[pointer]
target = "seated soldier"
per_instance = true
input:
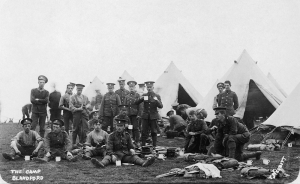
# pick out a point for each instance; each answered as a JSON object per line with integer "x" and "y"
{"x": 233, "y": 135}
{"x": 196, "y": 129}
{"x": 123, "y": 115}
{"x": 57, "y": 143}
{"x": 95, "y": 142}
{"x": 94, "y": 119}
{"x": 120, "y": 147}
{"x": 24, "y": 143}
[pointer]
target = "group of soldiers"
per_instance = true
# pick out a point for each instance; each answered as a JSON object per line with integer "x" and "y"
{"x": 123, "y": 113}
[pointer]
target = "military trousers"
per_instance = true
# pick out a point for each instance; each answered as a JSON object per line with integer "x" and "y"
{"x": 198, "y": 145}
{"x": 39, "y": 119}
{"x": 236, "y": 144}
{"x": 80, "y": 127}
{"x": 68, "y": 116}
{"x": 136, "y": 128}
{"x": 27, "y": 151}
{"x": 149, "y": 124}
{"x": 55, "y": 114}
{"x": 133, "y": 159}
{"x": 108, "y": 121}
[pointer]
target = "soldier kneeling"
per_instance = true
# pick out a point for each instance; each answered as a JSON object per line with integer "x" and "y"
{"x": 24, "y": 143}
{"x": 96, "y": 141}
{"x": 57, "y": 144}
{"x": 120, "y": 147}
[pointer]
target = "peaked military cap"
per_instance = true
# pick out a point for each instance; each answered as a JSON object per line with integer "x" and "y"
{"x": 131, "y": 83}
{"x": 58, "y": 122}
{"x": 121, "y": 80}
{"x": 80, "y": 86}
{"x": 110, "y": 84}
{"x": 42, "y": 77}
{"x": 123, "y": 106}
{"x": 26, "y": 121}
{"x": 149, "y": 83}
{"x": 120, "y": 121}
{"x": 142, "y": 85}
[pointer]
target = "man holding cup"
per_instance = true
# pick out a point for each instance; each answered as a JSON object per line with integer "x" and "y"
{"x": 120, "y": 148}
{"x": 25, "y": 142}
{"x": 57, "y": 144}
{"x": 150, "y": 114}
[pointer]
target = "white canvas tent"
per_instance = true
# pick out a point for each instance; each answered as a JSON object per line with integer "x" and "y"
{"x": 172, "y": 86}
{"x": 90, "y": 92}
{"x": 272, "y": 79}
{"x": 257, "y": 95}
{"x": 287, "y": 113}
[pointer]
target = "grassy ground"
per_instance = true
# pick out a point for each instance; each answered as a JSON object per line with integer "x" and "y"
{"x": 84, "y": 172}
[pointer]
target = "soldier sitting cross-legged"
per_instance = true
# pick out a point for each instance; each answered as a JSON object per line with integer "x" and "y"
{"x": 57, "y": 144}
{"x": 120, "y": 147}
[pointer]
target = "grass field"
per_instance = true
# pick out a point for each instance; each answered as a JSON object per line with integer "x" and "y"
{"x": 84, "y": 172}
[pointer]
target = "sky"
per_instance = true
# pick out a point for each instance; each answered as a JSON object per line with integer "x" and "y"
{"x": 74, "y": 41}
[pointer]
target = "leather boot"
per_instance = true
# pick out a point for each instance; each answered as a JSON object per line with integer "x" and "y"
{"x": 231, "y": 149}
{"x": 96, "y": 163}
{"x": 256, "y": 155}
{"x": 8, "y": 156}
{"x": 145, "y": 163}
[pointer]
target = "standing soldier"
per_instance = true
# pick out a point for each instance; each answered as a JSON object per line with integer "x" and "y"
{"x": 96, "y": 101}
{"x": 134, "y": 110}
{"x": 122, "y": 92}
{"x": 141, "y": 92}
{"x": 25, "y": 142}
{"x": 120, "y": 147}
{"x": 150, "y": 115}
{"x": 220, "y": 87}
{"x": 228, "y": 99}
{"x": 109, "y": 107}
{"x": 54, "y": 98}
{"x": 39, "y": 98}
{"x": 78, "y": 105}
{"x": 57, "y": 143}
{"x": 64, "y": 105}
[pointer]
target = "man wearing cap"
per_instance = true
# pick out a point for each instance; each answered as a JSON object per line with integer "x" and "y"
{"x": 96, "y": 101}
{"x": 120, "y": 147}
{"x": 95, "y": 118}
{"x": 228, "y": 99}
{"x": 57, "y": 144}
{"x": 123, "y": 115}
{"x": 122, "y": 92}
{"x": 64, "y": 105}
{"x": 39, "y": 98}
{"x": 134, "y": 110}
{"x": 232, "y": 135}
{"x": 78, "y": 105}
{"x": 54, "y": 98}
{"x": 220, "y": 87}
{"x": 150, "y": 114}
{"x": 95, "y": 142}
{"x": 26, "y": 142}
{"x": 26, "y": 110}
{"x": 181, "y": 109}
{"x": 109, "y": 107}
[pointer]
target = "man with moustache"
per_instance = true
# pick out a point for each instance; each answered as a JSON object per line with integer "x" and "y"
{"x": 78, "y": 105}
{"x": 39, "y": 98}
{"x": 134, "y": 111}
{"x": 26, "y": 142}
{"x": 122, "y": 92}
{"x": 109, "y": 107}
{"x": 150, "y": 115}
{"x": 64, "y": 105}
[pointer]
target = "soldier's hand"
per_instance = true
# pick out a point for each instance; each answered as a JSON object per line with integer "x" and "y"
{"x": 214, "y": 127}
{"x": 69, "y": 155}
{"x": 132, "y": 151}
{"x": 35, "y": 152}
{"x": 37, "y": 99}
{"x": 155, "y": 98}
{"x": 192, "y": 133}
{"x": 113, "y": 158}
{"x": 18, "y": 152}
{"x": 48, "y": 154}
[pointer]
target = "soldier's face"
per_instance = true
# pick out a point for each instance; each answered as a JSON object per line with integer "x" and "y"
{"x": 120, "y": 128}
{"x": 220, "y": 116}
{"x": 27, "y": 127}
{"x": 227, "y": 86}
{"x": 79, "y": 91}
{"x": 69, "y": 89}
{"x": 124, "y": 112}
{"x": 110, "y": 89}
{"x": 97, "y": 126}
{"x": 150, "y": 88}
{"x": 192, "y": 117}
{"x": 220, "y": 88}
{"x": 95, "y": 115}
{"x": 56, "y": 128}
{"x": 131, "y": 88}
{"x": 122, "y": 85}
{"x": 41, "y": 83}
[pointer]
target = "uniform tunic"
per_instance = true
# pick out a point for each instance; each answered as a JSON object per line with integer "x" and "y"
{"x": 199, "y": 144}
{"x": 229, "y": 100}
{"x": 57, "y": 144}
{"x": 54, "y": 98}
{"x": 122, "y": 94}
{"x": 96, "y": 101}
{"x": 64, "y": 101}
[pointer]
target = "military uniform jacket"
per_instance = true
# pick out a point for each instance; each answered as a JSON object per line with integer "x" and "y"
{"x": 57, "y": 141}
{"x": 150, "y": 106}
{"x": 122, "y": 94}
{"x": 229, "y": 100}
{"x": 96, "y": 101}
{"x": 39, "y": 106}
{"x": 109, "y": 105}
{"x": 133, "y": 109}
{"x": 119, "y": 142}
{"x": 198, "y": 126}
{"x": 234, "y": 127}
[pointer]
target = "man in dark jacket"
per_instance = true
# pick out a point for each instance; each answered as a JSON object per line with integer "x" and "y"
{"x": 122, "y": 92}
{"x": 150, "y": 114}
{"x": 55, "y": 111}
{"x": 26, "y": 110}
{"x": 228, "y": 99}
{"x": 39, "y": 98}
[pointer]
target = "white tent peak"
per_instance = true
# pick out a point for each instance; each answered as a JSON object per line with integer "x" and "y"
{"x": 96, "y": 83}
{"x": 168, "y": 87}
{"x": 127, "y": 76}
